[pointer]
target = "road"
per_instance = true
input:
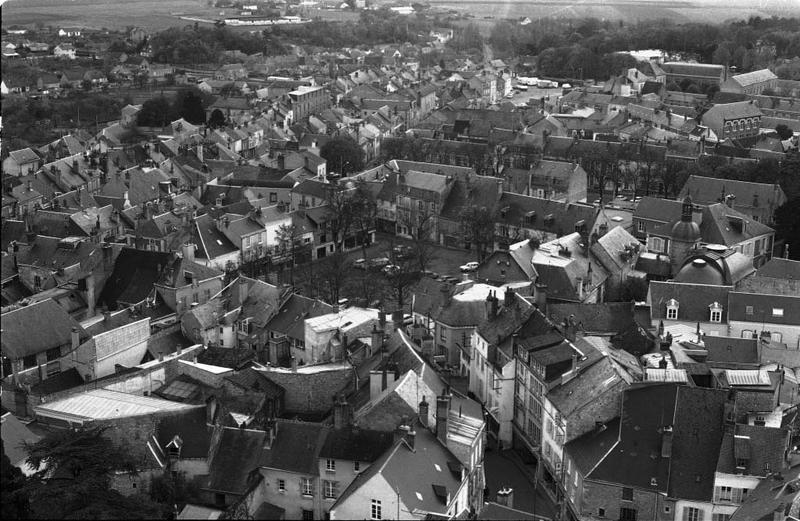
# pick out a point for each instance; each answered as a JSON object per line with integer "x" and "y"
{"x": 502, "y": 472}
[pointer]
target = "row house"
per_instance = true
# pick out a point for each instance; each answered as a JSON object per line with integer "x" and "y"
{"x": 733, "y": 120}
{"x": 751, "y": 83}
{"x": 186, "y": 281}
{"x": 555, "y": 180}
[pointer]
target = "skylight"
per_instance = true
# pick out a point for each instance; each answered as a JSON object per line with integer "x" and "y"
{"x": 419, "y": 496}
{"x": 438, "y": 468}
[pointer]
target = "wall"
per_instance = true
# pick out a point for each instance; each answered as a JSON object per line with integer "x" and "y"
{"x": 649, "y": 505}
{"x": 311, "y": 392}
{"x": 343, "y": 475}
{"x": 124, "y": 345}
{"x": 790, "y": 333}
{"x": 358, "y": 505}
{"x": 194, "y": 371}
{"x": 291, "y": 499}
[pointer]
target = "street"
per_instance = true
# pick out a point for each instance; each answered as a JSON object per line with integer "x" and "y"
{"x": 502, "y": 470}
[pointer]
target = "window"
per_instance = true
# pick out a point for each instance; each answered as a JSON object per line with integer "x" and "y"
{"x": 442, "y": 334}
{"x": 777, "y": 312}
{"x": 273, "y": 197}
{"x": 748, "y": 310}
{"x": 601, "y": 512}
{"x": 725, "y": 493}
{"x": 715, "y": 312}
{"x": 627, "y": 514}
{"x": 747, "y": 333}
{"x": 692, "y": 514}
{"x": 281, "y": 485}
{"x": 330, "y": 465}
{"x": 308, "y": 515}
{"x": 720, "y": 517}
{"x": 219, "y": 500}
{"x": 356, "y": 466}
{"x": 672, "y": 309}
{"x": 642, "y": 226}
{"x": 330, "y": 489}
{"x": 53, "y": 354}
{"x": 306, "y": 487}
{"x": 375, "y": 510}
{"x": 776, "y": 337}
{"x": 627, "y": 494}
{"x": 657, "y": 244}
{"x": 29, "y": 361}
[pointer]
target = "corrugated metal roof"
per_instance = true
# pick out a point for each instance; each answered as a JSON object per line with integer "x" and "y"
{"x": 667, "y": 375}
{"x": 103, "y": 404}
{"x": 747, "y": 377}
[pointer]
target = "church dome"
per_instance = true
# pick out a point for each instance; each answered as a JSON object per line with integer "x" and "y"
{"x": 686, "y": 230}
{"x": 700, "y": 271}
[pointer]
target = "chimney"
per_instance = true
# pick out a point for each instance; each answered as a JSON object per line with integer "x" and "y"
{"x": 570, "y": 328}
{"x": 574, "y": 366}
{"x": 375, "y": 380}
{"x": 508, "y": 298}
{"x": 541, "y": 297}
{"x": 411, "y": 438}
{"x": 188, "y": 251}
{"x": 377, "y": 339}
{"x": 272, "y": 433}
{"x": 243, "y": 290}
{"x": 423, "y": 412}
{"x": 382, "y": 319}
{"x": 106, "y": 316}
{"x": 90, "y": 296}
{"x": 505, "y": 497}
{"x": 281, "y": 162}
{"x": 442, "y": 408}
{"x": 76, "y": 337}
{"x": 294, "y": 364}
{"x": 580, "y": 288}
{"x": 666, "y": 442}
{"x": 342, "y": 413}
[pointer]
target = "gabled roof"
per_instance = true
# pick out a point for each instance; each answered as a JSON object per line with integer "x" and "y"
{"x": 779, "y": 268}
{"x": 413, "y": 474}
{"x": 718, "y": 226}
{"x": 290, "y": 320}
{"x": 731, "y": 349}
{"x": 639, "y": 460}
{"x": 529, "y": 212}
{"x": 607, "y": 317}
{"x": 657, "y": 209}
{"x": 708, "y": 190}
{"x": 750, "y": 78}
{"x": 588, "y": 450}
{"x": 35, "y": 328}
{"x": 296, "y": 447}
{"x": 762, "y": 447}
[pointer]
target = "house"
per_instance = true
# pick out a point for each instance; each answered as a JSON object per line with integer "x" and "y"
{"x": 327, "y": 336}
{"x": 719, "y": 225}
{"x": 419, "y": 198}
{"x": 751, "y": 83}
{"x": 215, "y": 250}
{"x": 674, "y": 433}
{"x": 767, "y": 308}
{"x": 418, "y": 477}
{"x": 556, "y": 180}
{"x": 733, "y": 120}
{"x": 618, "y": 252}
{"x": 521, "y": 217}
{"x": 21, "y": 162}
{"x": 185, "y": 281}
{"x": 492, "y": 363}
{"x": 777, "y": 495}
{"x": 38, "y": 335}
{"x": 308, "y": 100}
{"x": 287, "y": 328}
{"x": 64, "y": 50}
{"x": 755, "y": 200}
{"x": 698, "y": 73}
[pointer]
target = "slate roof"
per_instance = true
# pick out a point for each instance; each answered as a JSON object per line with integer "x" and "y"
{"x": 589, "y": 449}
{"x": 708, "y": 190}
{"x": 413, "y": 473}
{"x": 763, "y": 447}
{"x": 174, "y": 275}
{"x": 514, "y": 208}
{"x": 296, "y": 447}
{"x": 606, "y": 317}
{"x": 474, "y": 191}
{"x": 763, "y": 304}
{"x": 693, "y": 69}
{"x": 779, "y": 268}
{"x": 35, "y": 328}
{"x": 716, "y": 226}
{"x": 580, "y": 394}
{"x": 135, "y": 273}
{"x": 657, "y": 209}
{"x": 190, "y": 425}
{"x": 251, "y": 380}
{"x": 731, "y": 349}
{"x": 693, "y": 300}
{"x": 212, "y": 243}
{"x": 236, "y": 456}
{"x": 290, "y": 320}
{"x": 355, "y": 444}
{"x": 695, "y": 415}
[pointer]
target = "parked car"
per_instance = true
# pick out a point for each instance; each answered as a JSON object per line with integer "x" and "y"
{"x": 379, "y": 263}
{"x": 470, "y": 266}
{"x": 402, "y": 252}
{"x": 391, "y": 269}
{"x": 360, "y": 264}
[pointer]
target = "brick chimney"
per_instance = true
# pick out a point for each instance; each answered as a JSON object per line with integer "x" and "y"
{"x": 377, "y": 339}
{"x": 76, "y": 337}
{"x": 442, "y": 409}
{"x": 342, "y": 413}
{"x": 505, "y": 497}
{"x": 188, "y": 251}
{"x": 423, "y": 412}
{"x": 508, "y": 297}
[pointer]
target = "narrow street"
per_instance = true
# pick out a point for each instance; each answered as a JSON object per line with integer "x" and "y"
{"x": 502, "y": 470}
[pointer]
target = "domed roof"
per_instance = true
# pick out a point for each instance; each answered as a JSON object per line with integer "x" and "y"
{"x": 687, "y": 231}
{"x": 699, "y": 271}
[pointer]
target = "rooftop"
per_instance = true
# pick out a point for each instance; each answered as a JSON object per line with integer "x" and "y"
{"x": 101, "y": 404}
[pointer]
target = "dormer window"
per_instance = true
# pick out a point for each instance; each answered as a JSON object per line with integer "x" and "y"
{"x": 672, "y": 309}
{"x": 715, "y": 312}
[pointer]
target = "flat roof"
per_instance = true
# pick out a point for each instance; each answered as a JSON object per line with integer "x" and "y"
{"x": 343, "y": 320}
{"x": 213, "y": 369}
{"x": 101, "y": 404}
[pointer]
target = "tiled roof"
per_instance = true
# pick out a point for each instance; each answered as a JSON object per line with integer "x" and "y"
{"x": 236, "y": 456}
{"x": 588, "y": 450}
{"x": 762, "y": 447}
{"x": 607, "y": 317}
{"x": 656, "y": 209}
{"x": 693, "y": 69}
{"x": 750, "y": 78}
{"x": 731, "y": 349}
{"x": 716, "y": 226}
{"x": 779, "y": 268}
{"x": 708, "y": 190}
{"x": 35, "y": 328}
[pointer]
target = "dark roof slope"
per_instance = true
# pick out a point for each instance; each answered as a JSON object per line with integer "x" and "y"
{"x": 135, "y": 273}
{"x": 588, "y": 450}
{"x": 32, "y": 329}
{"x": 235, "y": 458}
{"x": 190, "y": 425}
{"x": 354, "y": 444}
{"x": 296, "y": 447}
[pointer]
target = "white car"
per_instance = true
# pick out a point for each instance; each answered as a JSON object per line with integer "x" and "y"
{"x": 470, "y": 266}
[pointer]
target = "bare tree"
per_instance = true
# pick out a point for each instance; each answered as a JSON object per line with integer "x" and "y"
{"x": 478, "y": 226}
{"x": 290, "y": 243}
{"x": 332, "y": 272}
{"x": 365, "y": 212}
